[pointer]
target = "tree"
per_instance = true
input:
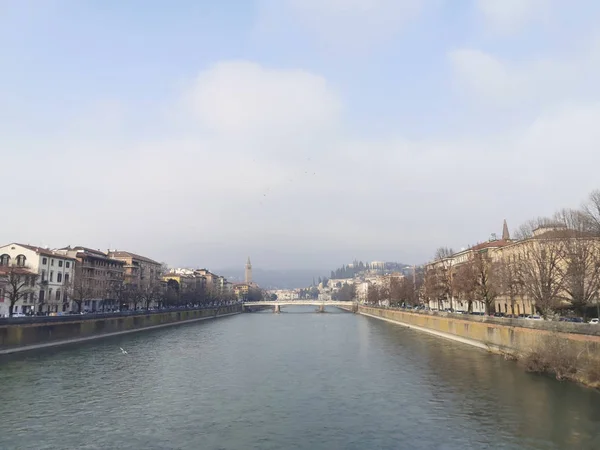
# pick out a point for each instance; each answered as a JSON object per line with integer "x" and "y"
{"x": 510, "y": 281}
{"x": 445, "y": 274}
{"x": 465, "y": 282}
{"x": 121, "y": 292}
{"x": 254, "y": 295}
{"x": 19, "y": 285}
{"x": 540, "y": 258}
{"x": 81, "y": 290}
{"x": 581, "y": 260}
{"x": 591, "y": 212}
{"x": 273, "y": 297}
{"x": 150, "y": 294}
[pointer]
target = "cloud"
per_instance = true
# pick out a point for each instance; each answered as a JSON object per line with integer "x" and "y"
{"x": 343, "y": 23}
{"x": 266, "y": 162}
{"x": 508, "y": 16}
{"x": 537, "y": 81}
{"x": 242, "y": 98}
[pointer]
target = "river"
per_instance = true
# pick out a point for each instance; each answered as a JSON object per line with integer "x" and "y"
{"x": 295, "y": 380}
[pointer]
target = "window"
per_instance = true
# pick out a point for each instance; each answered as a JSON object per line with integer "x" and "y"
{"x": 57, "y": 296}
{"x": 41, "y": 297}
{"x": 66, "y": 277}
{"x": 21, "y": 260}
{"x": 51, "y": 276}
{"x": 44, "y": 261}
{"x": 51, "y": 262}
{"x": 43, "y": 275}
{"x": 58, "y": 277}
{"x": 49, "y": 294}
{"x": 68, "y": 264}
{"x": 60, "y": 264}
{"x": 4, "y": 260}
{"x": 32, "y": 282}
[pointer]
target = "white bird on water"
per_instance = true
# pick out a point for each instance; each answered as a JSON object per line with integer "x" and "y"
{"x": 123, "y": 351}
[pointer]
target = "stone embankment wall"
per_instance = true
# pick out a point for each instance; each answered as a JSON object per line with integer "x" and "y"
{"x": 513, "y": 337}
{"x": 15, "y": 338}
{"x": 569, "y": 351}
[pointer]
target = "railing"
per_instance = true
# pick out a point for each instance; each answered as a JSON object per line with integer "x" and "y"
{"x": 99, "y": 315}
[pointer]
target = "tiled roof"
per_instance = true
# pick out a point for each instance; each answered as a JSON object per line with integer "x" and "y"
{"x": 490, "y": 244}
{"x": 43, "y": 251}
{"x": 121, "y": 254}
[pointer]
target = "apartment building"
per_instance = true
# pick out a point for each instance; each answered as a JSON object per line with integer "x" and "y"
{"x": 97, "y": 277}
{"x": 54, "y": 273}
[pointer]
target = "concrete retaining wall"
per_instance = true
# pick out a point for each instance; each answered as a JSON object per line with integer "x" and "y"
{"x": 501, "y": 338}
{"x": 14, "y": 338}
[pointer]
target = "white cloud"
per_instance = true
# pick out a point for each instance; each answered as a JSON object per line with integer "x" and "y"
{"x": 506, "y": 16}
{"x": 534, "y": 82}
{"x": 344, "y": 23}
{"x": 244, "y": 98}
{"x": 223, "y": 189}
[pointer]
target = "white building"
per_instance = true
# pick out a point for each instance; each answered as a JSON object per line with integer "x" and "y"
{"x": 54, "y": 271}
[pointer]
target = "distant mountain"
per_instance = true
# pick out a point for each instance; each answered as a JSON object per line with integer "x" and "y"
{"x": 274, "y": 279}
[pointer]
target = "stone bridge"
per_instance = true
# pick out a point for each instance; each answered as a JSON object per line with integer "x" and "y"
{"x": 277, "y": 305}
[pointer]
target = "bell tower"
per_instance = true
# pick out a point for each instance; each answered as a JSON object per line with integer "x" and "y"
{"x": 248, "y": 272}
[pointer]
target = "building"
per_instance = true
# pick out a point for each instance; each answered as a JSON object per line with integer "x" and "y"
{"x": 98, "y": 279}
{"x": 139, "y": 271}
{"x": 54, "y": 277}
{"x": 241, "y": 290}
{"x": 248, "y": 272}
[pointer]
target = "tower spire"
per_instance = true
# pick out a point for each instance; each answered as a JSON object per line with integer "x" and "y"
{"x": 505, "y": 233}
{"x": 248, "y": 271}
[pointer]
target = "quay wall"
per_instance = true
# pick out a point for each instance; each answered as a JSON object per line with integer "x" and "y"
{"x": 515, "y": 337}
{"x": 21, "y": 337}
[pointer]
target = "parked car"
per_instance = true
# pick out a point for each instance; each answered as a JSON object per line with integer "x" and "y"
{"x": 594, "y": 321}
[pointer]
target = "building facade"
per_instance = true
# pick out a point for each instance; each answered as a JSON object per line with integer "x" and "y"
{"x": 97, "y": 280}
{"x": 54, "y": 276}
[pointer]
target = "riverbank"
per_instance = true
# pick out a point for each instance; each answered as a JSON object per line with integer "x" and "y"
{"x": 543, "y": 347}
{"x": 16, "y": 338}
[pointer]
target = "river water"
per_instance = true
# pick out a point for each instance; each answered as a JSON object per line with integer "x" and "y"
{"x": 295, "y": 380}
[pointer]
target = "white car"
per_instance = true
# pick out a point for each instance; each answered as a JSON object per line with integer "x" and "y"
{"x": 594, "y": 321}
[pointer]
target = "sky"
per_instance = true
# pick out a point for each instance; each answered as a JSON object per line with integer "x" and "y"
{"x": 301, "y": 133}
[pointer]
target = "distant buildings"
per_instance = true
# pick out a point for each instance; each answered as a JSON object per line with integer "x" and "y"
{"x": 70, "y": 279}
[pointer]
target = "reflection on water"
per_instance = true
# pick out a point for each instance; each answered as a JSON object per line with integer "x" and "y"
{"x": 299, "y": 381}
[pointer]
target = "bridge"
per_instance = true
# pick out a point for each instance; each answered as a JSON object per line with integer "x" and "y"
{"x": 276, "y": 305}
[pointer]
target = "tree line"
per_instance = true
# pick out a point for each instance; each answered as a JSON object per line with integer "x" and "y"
{"x": 554, "y": 263}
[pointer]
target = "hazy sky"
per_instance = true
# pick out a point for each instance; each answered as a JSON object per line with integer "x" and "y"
{"x": 303, "y": 133}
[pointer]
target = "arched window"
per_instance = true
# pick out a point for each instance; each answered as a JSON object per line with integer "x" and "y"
{"x": 21, "y": 260}
{"x": 4, "y": 260}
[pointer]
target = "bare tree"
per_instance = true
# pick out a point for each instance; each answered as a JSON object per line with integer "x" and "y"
{"x": 591, "y": 211}
{"x": 510, "y": 281}
{"x": 581, "y": 260}
{"x": 81, "y": 291}
{"x": 465, "y": 283}
{"x": 445, "y": 275}
{"x": 19, "y": 285}
{"x": 540, "y": 259}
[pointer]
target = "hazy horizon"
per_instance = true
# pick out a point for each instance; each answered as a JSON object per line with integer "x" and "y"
{"x": 303, "y": 134}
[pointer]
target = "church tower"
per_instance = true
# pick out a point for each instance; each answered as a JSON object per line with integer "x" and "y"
{"x": 505, "y": 233}
{"x": 248, "y": 273}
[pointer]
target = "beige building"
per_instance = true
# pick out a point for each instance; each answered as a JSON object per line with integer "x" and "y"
{"x": 97, "y": 278}
{"x": 139, "y": 271}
